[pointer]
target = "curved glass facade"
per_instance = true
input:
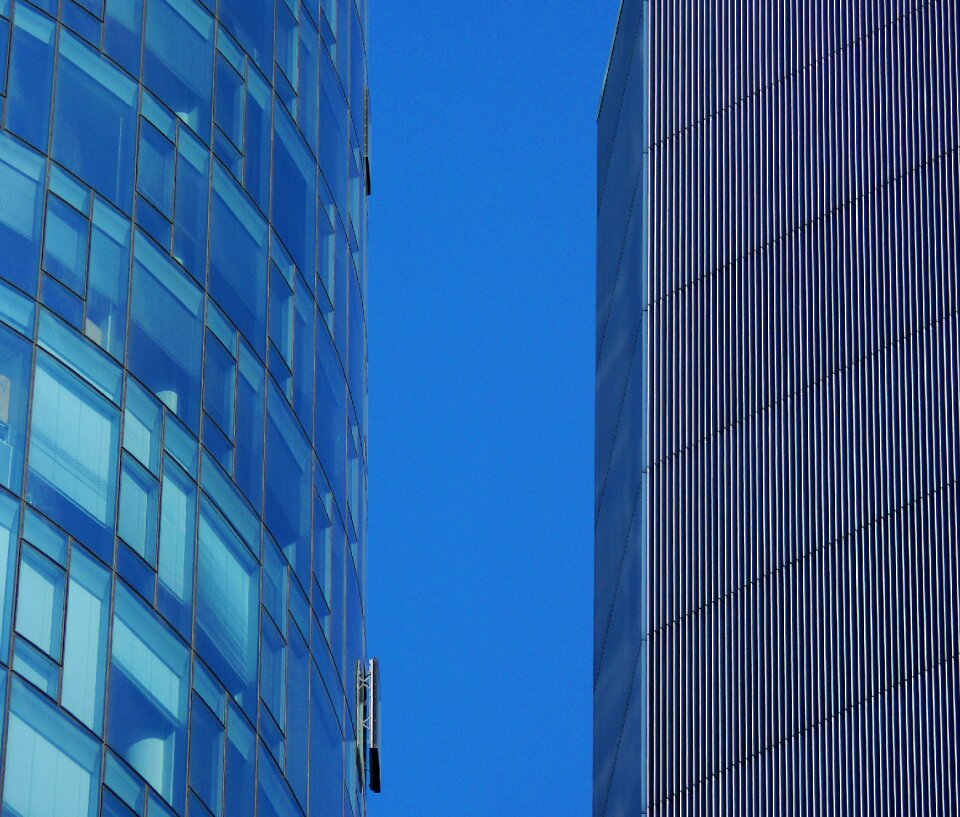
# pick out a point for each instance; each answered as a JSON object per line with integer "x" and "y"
{"x": 778, "y": 420}
{"x": 182, "y": 406}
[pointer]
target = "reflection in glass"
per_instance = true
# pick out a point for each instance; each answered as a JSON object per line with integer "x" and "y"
{"x": 74, "y": 446}
{"x": 21, "y": 212}
{"x": 149, "y": 688}
{"x": 52, "y": 765}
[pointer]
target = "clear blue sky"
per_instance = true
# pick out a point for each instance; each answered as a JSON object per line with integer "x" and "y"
{"x": 481, "y": 345}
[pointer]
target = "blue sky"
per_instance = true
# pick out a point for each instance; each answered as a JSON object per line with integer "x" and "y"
{"x": 481, "y": 339}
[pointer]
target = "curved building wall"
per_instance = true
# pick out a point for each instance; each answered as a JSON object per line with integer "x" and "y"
{"x": 182, "y": 406}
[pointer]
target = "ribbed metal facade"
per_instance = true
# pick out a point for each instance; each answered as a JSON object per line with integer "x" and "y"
{"x": 778, "y": 577}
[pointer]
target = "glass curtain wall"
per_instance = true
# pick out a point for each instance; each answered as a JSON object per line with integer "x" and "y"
{"x": 183, "y": 411}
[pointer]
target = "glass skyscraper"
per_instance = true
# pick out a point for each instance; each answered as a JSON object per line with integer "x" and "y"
{"x": 183, "y": 407}
{"x": 778, "y": 411}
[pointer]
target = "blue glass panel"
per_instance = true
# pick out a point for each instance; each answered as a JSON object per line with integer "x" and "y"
{"x": 238, "y": 261}
{"x": 15, "y": 355}
{"x": 303, "y": 386}
{"x": 217, "y": 444}
{"x": 149, "y": 689}
{"x": 227, "y": 153}
{"x": 153, "y": 222}
{"x": 206, "y": 755}
{"x": 294, "y": 192}
{"x": 36, "y": 667}
{"x": 274, "y": 798}
{"x": 257, "y": 139}
{"x": 330, "y": 417}
{"x": 273, "y": 669}
{"x": 125, "y": 782}
{"x": 45, "y": 537}
{"x": 65, "y": 244}
{"x": 31, "y": 76}
{"x": 298, "y": 715}
{"x": 251, "y": 399}
{"x": 4, "y": 53}
{"x": 220, "y": 383}
{"x": 166, "y": 335}
{"x": 178, "y": 60}
{"x": 83, "y": 358}
{"x": 308, "y": 86}
{"x": 69, "y": 189}
{"x": 326, "y": 751}
{"x": 178, "y": 531}
{"x": 16, "y": 309}
{"x": 209, "y": 689}
{"x": 81, "y": 21}
{"x": 85, "y": 644}
{"x": 95, "y": 115}
{"x": 139, "y": 504}
{"x": 108, "y": 279}
{"x": 281, "y": 315}
{"x": 61, "y": 301}
{"x": 9, "y": 527}
{"x": 121, "y": 33}
{"x": 155, "y": 164}
{"x": 181, "y": 445}
{"x": 252, "y": 25}
{"x": 241, "y": 765}
{"x": 21, "y": 212}
{"x": 274, "y": 580}
{"x": 74, "y": 446}
{"x": 112, "y": 806}
{"x": 289, "y": 494}
{"x": 142, "y": 419}
{"x": 227, "y": 606}
{"x": 224, "y": 493}
{"x": 333, "y": 146}
{"x": 193, "y": 193}
{"x": 40, "y": 739}
{"x": 230, "y": 100}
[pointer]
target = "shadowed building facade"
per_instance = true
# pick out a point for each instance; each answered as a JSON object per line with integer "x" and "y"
{"x": 182, "y": 407}
{"x": 777, "y": 623}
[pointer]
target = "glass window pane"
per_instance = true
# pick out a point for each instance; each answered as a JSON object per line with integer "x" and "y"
{"x": 178, "y": 60}
{"x": 84, "y": 359}
{"x": 178, "y": 531}
{"x": 273, "y": 670}
{"x": 288, "y": 497}
{"x": 9, "y": 527}
{"x": 294, "y": 192}
{"x": 53, "y": 766}
{"x": 95, "y": 116}
{"x": 274, "y": 798}
{"x": 45, "y": 537}
{"x": 108, "y": 278}
{"x": 303, "y": 387}
{"x": 121, "y": 33}
{"x": 74, "y": 446}
{"x": 298, "y": 715}
{"x": 257, "y": 138}
{"x": 167, "y": 332}
{"x": 228, "y": 606}
{"x": 241, "y": 765}
{"x": 40, "y": 594}
{"x": 21, "y": 212}
{"x": 155, "y": 162}
{"x": 330, "y": 416}
{"x": 326, "y": 751}
{"x": 220, "y": 382}
{"x": 39, "y": 669}
{"x": 31, "y": 76}
{"x": 141, "y": 426}
{"x": 139, "y": 503}
{"x": 190, "y": 227}
{"x": 15, "y": 354}
{"x": 251, "y": 397}
{"x": 230, "y": 99}
{"x": 206, "y": 755}
{"x": 238, "y": 263}
{"x": 252, "y": 25}
{"x": 85, "y": 646}
{"x": 149, "y": 688}
{"x": 65, "y": 244}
